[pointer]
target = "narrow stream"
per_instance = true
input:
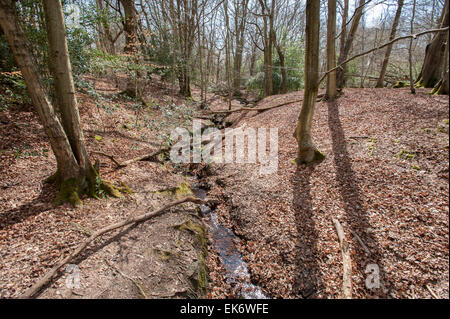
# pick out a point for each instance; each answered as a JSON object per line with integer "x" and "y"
{"x": 223, "y": 239}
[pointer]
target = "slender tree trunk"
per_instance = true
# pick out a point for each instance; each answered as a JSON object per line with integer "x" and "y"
{"x": 131, "y": 43}
{"x": 62, "y": 75}
{"x": 340, "y": 75}
{"x": 307, "y": 151}
{"x": 411, "y": 82}
{"x": 283, "y": 68}
{"x": 331, "y": 51}
{"x": 240, "y": 22}
{"x": 380, "y": 82}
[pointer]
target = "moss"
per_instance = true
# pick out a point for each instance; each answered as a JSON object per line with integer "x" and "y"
{"x": 419, "y": 84}
{"x": 110, "y": 189}
{"x": 89, "y": 184}
{"x": 163, "y": 254}
{"x": 199, "y": 232}
{"x": 182, "y": 190}
{"x": 405, "y": 154}
{"x": 68, "y": 192}
{"x": 310, "y": 156}
{"x": 400, "y": 84}
{"x": 54, "y": 178}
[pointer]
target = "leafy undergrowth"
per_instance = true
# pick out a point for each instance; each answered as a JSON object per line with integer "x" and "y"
{"x": 385, "y": 178}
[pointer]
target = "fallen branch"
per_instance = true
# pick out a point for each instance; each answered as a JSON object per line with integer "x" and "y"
{"x": 347, "y": 263}
{"x": 432, "y": 292}
{"x": 133, "y": 160}
{"x": 132, "y": 220}
{"x": 241, "y": 109}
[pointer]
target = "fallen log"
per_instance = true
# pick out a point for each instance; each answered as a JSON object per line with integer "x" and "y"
{"x": 33, "y": 290}
{"x": 347, "y": 263}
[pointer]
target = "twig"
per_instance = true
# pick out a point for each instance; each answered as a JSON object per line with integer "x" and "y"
{"x": 432, "y": 292}
{"x": 133, "y": 160}
{"x": 132, "y": 220}
{"x": 108, "y": 156}
{"x": 347, "y": 264}
{"x": 366, "y": 249}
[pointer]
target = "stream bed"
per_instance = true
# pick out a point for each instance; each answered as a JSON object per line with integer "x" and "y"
{"x": 223, "y": 241}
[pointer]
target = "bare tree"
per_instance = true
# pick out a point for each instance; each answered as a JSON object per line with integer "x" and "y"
{"x": 307, "y": 151}
{"x": 331, "y": 51}
{"x": 380, "y": 82}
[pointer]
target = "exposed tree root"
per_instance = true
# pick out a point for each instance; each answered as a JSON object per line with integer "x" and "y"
{"x": 90, "y": 184}
{"x": 309, "y": 156}
{"x": 31, "y": 292}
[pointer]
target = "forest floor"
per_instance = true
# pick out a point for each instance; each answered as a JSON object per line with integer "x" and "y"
{"x": 385, "y": 177}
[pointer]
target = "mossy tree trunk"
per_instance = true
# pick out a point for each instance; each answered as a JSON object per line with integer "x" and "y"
{"x": 75, "y": 174}
{"x": 434, "y": 61}
{"x": 307, "y": 151}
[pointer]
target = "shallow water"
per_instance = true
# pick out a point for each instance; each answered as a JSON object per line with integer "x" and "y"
{"x": 223, "y": 242}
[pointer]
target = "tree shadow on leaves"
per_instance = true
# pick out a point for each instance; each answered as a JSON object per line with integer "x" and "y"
{"x": 307, "y": 281}
{"x": 356, "y": 215}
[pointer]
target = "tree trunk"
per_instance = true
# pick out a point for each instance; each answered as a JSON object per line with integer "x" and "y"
{"x": 442, "y": 86}
{"x": 380, "y": 82}
{"x": 62, "y": 75}
{"x": 131, "y": 43}
{"x": 340, "y": 75}
{"x": 331, "y": 92}
{"x": 307, "y": 151}
{"x": 75, "y": 175}
{"x": 283, "y": 69}
{"x": 239, "y": 22}
{"x": 433, "y": 64}
{"x": 66, "y": 161}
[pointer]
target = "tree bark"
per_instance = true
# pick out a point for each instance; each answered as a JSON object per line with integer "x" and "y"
{"x": 307, "y": 151}
{"x": 380, "y": 82}
{"x": 340, "y": 76}
{"x": 66, "y": 161}
{"x": 434, "y": 61}
{"x": 131, "y": 43}
{"x": 331, "y": 91}
{"x": 75, "y": 175}
{"x": 62, "y": 75}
